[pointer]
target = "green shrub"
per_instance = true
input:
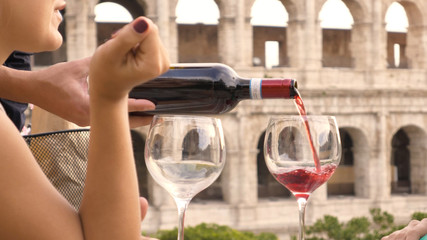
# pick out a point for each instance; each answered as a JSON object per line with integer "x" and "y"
{"x": 206, "y": 231}
{"x": 360, "y": 228}
{"x": 328, "y": 228}
{"x": 419, "y": 216}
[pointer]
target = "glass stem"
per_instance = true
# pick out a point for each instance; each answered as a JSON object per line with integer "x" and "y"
{"x": 302, "y": 202}
{"x": 182, "y": 205}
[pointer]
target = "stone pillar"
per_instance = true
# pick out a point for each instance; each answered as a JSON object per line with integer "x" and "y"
{"x": 230, "y": 176}
{"x": 380, "y": 168}
{"x": 247, "y": 51}
{"x": 379, "y": 38}
{"x": 172, "y": 44}
{"x": 295, "y": 45}
{"x": 151, "y": 10}
{"x": 78, "y": 30}
{"x": 92, "y": 33}
{"x": 312, "y": 37}
{"x": 248, "y": 162}
{"x": 165, "y": 19}
{"x": 225, "y": 40}
{"x": 418, "y": 165}
{"x": 243, "y": 36}
{"x": 415, "y": 48}
{"x": 360, "y": 45}
{"x": 304, "y": 39}
{"x": 363, "y": 182}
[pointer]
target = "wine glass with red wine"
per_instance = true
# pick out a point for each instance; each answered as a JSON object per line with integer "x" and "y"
{"x": 302, "y": 153}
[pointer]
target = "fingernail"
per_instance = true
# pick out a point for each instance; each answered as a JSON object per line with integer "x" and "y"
{"x": 140, "y": 26}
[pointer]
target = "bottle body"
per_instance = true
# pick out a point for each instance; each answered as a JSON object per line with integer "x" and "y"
{"x": 206, "y": 89}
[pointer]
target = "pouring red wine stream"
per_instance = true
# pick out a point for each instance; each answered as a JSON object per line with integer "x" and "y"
{"x": 303, "y": 113}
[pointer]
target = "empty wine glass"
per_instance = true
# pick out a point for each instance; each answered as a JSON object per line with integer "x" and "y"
{"x": 184, "y": 154}
{"x": 302, "y": 152}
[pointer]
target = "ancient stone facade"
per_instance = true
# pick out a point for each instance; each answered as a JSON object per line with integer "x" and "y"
{"x": 381, "y": 109}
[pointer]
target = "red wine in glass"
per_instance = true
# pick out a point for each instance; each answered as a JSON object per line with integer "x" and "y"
{"x": 294, "y": 161}
{"x": 302, "y": 182}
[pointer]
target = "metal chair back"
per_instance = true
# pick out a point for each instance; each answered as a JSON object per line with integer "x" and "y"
{"x": 62, "y": 156}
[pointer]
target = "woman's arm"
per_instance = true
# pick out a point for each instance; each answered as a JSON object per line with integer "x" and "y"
{"x": 60, "y": 89}
{"x": 31, "y": 208}
{"x": 111, "y": 198}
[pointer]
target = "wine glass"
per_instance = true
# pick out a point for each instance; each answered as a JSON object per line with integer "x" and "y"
{"x": 184, "y": 154}
{"x": 302, "y": 152}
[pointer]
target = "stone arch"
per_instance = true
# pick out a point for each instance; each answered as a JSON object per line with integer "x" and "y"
{"x": 353, "y": 178}
{"x": 357, "y": 44}
{"x": 414, "y": 54}
{"x": 268, "y": 187}
{"x": 414, "y": 151}
{"x": 288, "y": 4}
{"x": 197, "y": 42}
{"x": 135, "y": 8}
{"x": 202, "y": 15}
{"x": 361, "y": 153}
{"x": 263, "y": 34}
{"x": 342, "y": 182}
{"x": 104, "y": 30}
{"x": 359, "y": 31}
{"x": 412, "y": 8}
{"x": 248, "y": 9}
{"x": 291, "y": 8}
{"x": 396, "y": 39}
{"x": 356, "y": 7}
{"x": 336, "y": 43}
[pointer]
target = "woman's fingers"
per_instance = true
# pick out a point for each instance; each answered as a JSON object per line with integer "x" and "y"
{"x": 144, "y": 207}
{"x": 128, "y": 37}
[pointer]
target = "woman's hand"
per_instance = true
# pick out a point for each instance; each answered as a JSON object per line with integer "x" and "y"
{"x": 144, "y": 208}
{"x": 132, "y": 56}
{"x": 414, "y": 231}
{"x": 62, "y": 89}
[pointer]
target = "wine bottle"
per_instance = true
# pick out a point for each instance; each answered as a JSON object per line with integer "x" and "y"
{"x": 207, "y": 89}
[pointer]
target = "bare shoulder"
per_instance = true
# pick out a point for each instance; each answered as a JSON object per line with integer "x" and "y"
{"x": 26, "y": 195}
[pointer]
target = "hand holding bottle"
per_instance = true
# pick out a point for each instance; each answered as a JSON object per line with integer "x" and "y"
{"x": 134, "y": 55}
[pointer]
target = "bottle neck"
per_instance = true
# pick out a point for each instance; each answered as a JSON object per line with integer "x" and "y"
{"x": 272, "y": 88}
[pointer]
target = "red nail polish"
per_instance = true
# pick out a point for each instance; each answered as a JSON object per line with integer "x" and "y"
{"x": 140, "y": 26}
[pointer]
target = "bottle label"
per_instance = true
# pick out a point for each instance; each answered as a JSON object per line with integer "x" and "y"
{"x": 255, "y": 88}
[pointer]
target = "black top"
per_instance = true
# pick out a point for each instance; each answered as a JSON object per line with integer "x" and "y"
{"x": 15, "y": 110}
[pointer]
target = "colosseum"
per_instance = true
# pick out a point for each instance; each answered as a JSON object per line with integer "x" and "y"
{"x": 374, "y": 81}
